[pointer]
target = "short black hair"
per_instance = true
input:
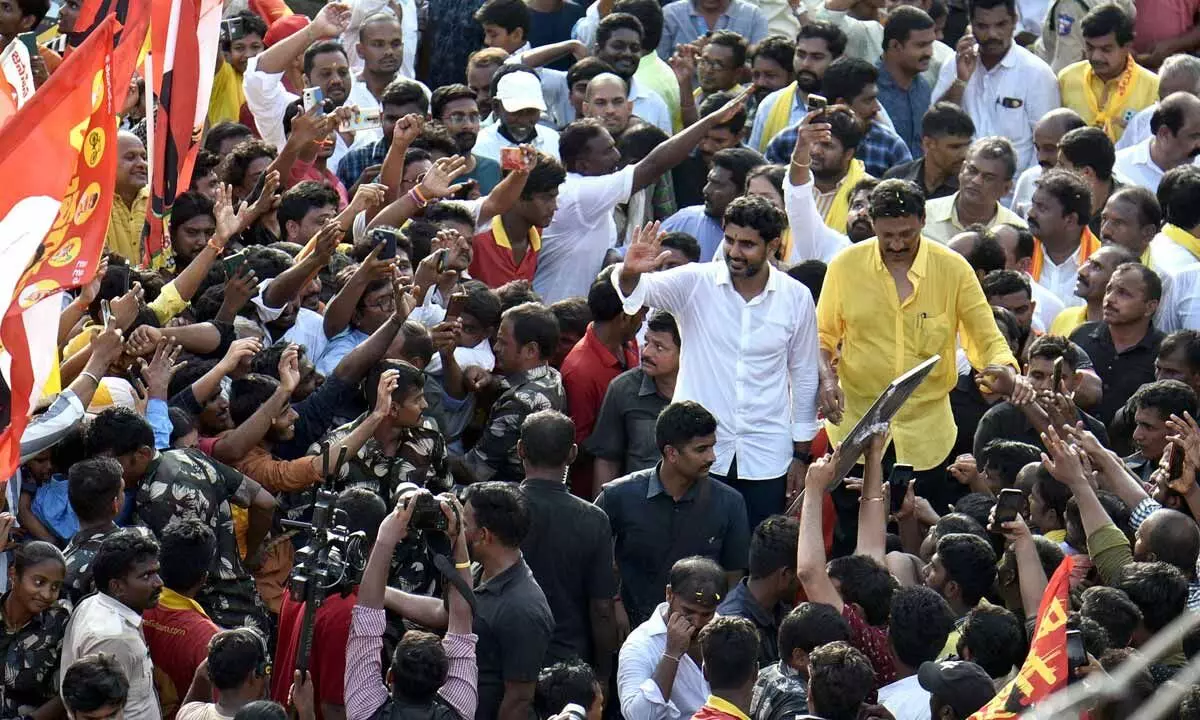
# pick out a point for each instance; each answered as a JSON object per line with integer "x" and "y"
{"x": 718, "y": 100}
{"x": 1153, "y": 282}
{"x": 739, "y": 161}
{"x": 534, "y": 323}
{"x": 1171, "y": 113}
{"x": 1186, "y": 342}
{"x": 1071, "y": 192}
{"x": 92, "y": 486}
{"x": 649, "y": 13}
{"x": 986, "y": 255}
{"x": 509, "y": 15}
{"x": 835, "y": 39}
{"x": 973, "y": 5}
{"x": 361, "y": 510}
{"x": 573, "y": 315}
{"x": 586, "y": 69}
{"x": 1177, "y": 195}
{"x": 500, "y": 508}
{"x": 897, "y": 198}
{"x": 447, "y": 94}
{"x": 996, "y": 638}
{"x": 773, "y": 545}
{"x": 847, "y": 77}
{"x": 546, "y": 175}
{"x": 810, "y": 625}
{"x": 483, "y": 304}
{"x": 638, "y": 141}
{"x": 302, "y": 197}
{"x": 957, "y": 522}
{"x": 904, "y": 21}
{"x": 777, "y": 49}
{"x": 445, "y": 211}
{"x": 681, "y": 422}
{"x": 1025, "y": 239}
{"x": 324, "y": 47}
{"x": 684, "y": 243}
{"x": 188, "y": 205}
{"x": 866, "y": 583}
{"x": 970, "y": 562}
{"x": 408, "y": 380}
{"x": 570, "y": 681}
{"x": 1005, "y": 282}
{"x": 1108, "y": 19}
{"x": 663, "y": 321}
{"x": 419, "y": 665}
{"x": 188, "y": 547}
{"x": 252, "y": 24}
{"x": 1113, "y": 610}
{"x": 840, "y": 680}
{"x": 574, "y": 139}
{"x": 1005, "y": 458}
{"x": 1053, "y": 493}
{"x": 758, "y": 214}
{"x": 436, "y": 139}
{"x": 261, "y": 710}
{"x": 403, "y": 92}
{"x": 233, "y": 655}
{"x": 919, "y": 624}
{"x": 844, "y": 125}
{"x": 35, "y": 552}
{"x": 1159, "y": 590}
{"x": 615, "y": 21}
{"x": 118, "y": 431}
{"x": 248, "y": 394}
{"x": 1089, "y": 147}
{"x": 603, "y": 300}
{"x": 119, "y": 552}
{"x": 1053, "y": 347}
{"x": 977, "y": 506}
{"x": 548, "y": 437}
{"x": 514, "y": 293}
{"x": 945, "y": 119}
{"x": 729, "y": 645}
{"x": 94, "y": 682}
{"x": 734, "y": 41}
{"x": 1148, "y": 209}
{"x": 222, "y": 131}
{"x": 1167, "y": 397}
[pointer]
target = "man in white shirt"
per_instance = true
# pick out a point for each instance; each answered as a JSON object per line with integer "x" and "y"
{"x": 380, "y": 45}
{"x": 1178, "y": 244}
{"x": 361, "y": 10}
{"x": 1046, "y": 134}
{"x": 1002, "y": 86}
{"x": 1174, "y": 141}
{"x": 125, "y": 571}
{"x": 583, "y": 229}
{"x": 1019, "y": 244}
{"x": 518, "y": 103}
{"x": 749, "y": 328}
{"x": 1058, "y": 218}
{"x": 1179, "y": 73}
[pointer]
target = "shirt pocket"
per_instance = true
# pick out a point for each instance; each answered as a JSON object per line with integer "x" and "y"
{"x": 929, "y": 333}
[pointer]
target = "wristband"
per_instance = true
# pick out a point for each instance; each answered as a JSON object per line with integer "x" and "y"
{"x": 93, "y": 378}
{"x": 802, "y": 165}
{"x": 870, "y": 499}
{"x": 670, "y": 657}
{"x": 462, "y": 565}
{"x": 418, "y": 196}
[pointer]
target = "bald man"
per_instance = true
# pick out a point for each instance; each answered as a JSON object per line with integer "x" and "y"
{"x": 1046, "y": 134}
{"x": 1179, "y": 73}
{"x": 607, "y": 100}
{"x": 1174, "y": 141}
{"x": 985, "y": 254}
{"x": 128, "y": 213}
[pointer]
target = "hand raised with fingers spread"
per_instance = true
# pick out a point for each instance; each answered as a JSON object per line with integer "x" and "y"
{"x": 1062, "y": 460}
{"x": 161, "y": 368}
{"x": 332, "y": 20}
{"x": 246, "y": 215}
{"x": 439, "y": 181}
{"x": 368, "y": 196}
{"x": 383, "y": 395}
{"x": 240, "y": 288}
{"x": 289, "y": 368}
{"x": 240, "y": 350}
{"x": 645, "y": 253}
{"x": 727, "y": 111}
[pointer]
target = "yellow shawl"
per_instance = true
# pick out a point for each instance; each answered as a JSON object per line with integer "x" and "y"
{"x": 1088, "y": 244}
{"x": 1184, "y": 238}
{"x": 836, "y": 217}
{"x": 777, "y": 119}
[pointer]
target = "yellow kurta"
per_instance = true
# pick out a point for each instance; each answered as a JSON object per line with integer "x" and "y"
{"x": 225, "y": 103}
{"x": 1095, "y": 109}
{"x": 1068, "y": 320}
{"x": 125, "y": 224}
{"x": 881, "y": 338}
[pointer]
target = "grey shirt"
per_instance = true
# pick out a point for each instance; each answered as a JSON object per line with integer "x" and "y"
{"x": 624, "y": 430}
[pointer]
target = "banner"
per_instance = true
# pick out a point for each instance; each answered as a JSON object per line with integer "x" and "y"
{"x": 16, "y": 79}
{"x": 1045, "y": 668}
{"x": 184, "y": 43}
{"x": 62, "y": 144}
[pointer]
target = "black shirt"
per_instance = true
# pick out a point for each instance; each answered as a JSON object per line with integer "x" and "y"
{"x": 624, "y": 431}
{"x": 688, "y": 178}
{"x": 652, "y": 531}
{"x": 569, "y": 550}
{"x": 514, "y": 625}
{"x": 740, "y": 603}
{"x": 1121, "y": 373}
{"x": 914, "y": 171}
{"x": 1005, "y": 421}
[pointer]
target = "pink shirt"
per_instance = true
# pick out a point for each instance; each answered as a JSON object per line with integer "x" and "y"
{"x": 302, "y": 171}
{"x": 1159, "y": 20}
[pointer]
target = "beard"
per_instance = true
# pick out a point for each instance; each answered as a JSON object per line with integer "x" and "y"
{"x": 808, "y": 82}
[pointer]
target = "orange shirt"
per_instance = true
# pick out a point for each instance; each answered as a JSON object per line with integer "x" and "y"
{"x": 492, "y": 262}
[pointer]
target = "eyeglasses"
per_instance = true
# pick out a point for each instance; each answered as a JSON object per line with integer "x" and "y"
{"x": 458, "y": 118}
{"x": 707, "y": 63}
{"x": 387, "y": 303}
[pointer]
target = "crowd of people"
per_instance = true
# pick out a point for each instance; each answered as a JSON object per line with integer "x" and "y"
{"x": 561, "y": 317}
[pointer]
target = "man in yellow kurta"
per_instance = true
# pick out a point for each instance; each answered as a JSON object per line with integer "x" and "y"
{"x": 241, "y": 39}
{"x": 131, "y": 194}
{"x": 890, "y": 303}
{"x": 1109, "y": 87}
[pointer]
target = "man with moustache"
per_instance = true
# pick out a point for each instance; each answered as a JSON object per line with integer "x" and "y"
{"x": 946, "y": 133}
{"x": 986, "y": 177}
{"x": 766, "y": 424}
{"x": 607, "y": 100}
{"x": 904, "y": 93}
{"x": 1174, "y": 141}
{"x": 1089, "y": 153}
{"x": 381, "y": 47}
{"x": 1089, "y": 286}
{"x": 725, "y": 181}
{"x": 1131, "y": 219}
{"x": 889, "y": 304}
{"x": 817, "y": 45}
{"x": 1058, "y": 219}
{"x": 132, "y": 192}
{"x": 1046, "y": 136}
{"x": 457, "y": 107}
{"x": 1018, "y": 244}
{"x": 518, "y": 103}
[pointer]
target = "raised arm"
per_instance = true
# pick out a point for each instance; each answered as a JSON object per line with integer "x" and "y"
{"x": 288, "y": 284}
{"x": 340, "y": 310}
{"x": 546, "y": 54}
{"x": 810, "y": 552}
{"x": 330, "y": 23}
{"x": 675, "y": 150}
{"x": 508, "y": 191}
{"x": 873, "y": 506}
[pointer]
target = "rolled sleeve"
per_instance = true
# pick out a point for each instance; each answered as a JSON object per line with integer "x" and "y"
{"x": 44, "y": 431}
{"x": 461, "y": 689}
{"x": 365, "y": 691}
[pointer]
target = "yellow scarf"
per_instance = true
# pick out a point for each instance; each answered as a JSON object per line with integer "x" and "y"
{"x": 777, "y": 119}
{"x": 836, "y": 217}
{"x": 1112, "y": 109}
{"x": 1184, "y": 238}
{"x": 1088, "y": 244}
{"x": 785, "y": 245}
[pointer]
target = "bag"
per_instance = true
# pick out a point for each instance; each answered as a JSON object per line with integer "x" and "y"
{"x": 391, "y": 709}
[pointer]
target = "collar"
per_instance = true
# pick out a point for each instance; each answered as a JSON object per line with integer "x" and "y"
{"x": 544, "y": 484}
{"x": 120, "y": 609}
{"x": 758, "y": 613}
{"x": 958, "y": 223}
{"x": 647, "y": 386}
{"x": 1009, "y": 60}
{"x": 1102, "y": 332}
{"x": 920, "y": 263}
{"x": 722, "y": 705}
{"x": 725, "y": 13}
{"x": 599, "y": 349}
{"x": 504, "y": 579}
{"x": 171, "y": 600}
{"x": 885, "y": 79}
{"x": 654, "y": 486}
{"x": 773, "y": 277}
{"x": 501, "y": 235}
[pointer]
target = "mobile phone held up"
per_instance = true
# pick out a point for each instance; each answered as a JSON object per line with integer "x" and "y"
{"x": 368, "y": 119}
{"x": 512, "y": 158}
{"x": 458, "y": 303}
{"x": 1076, "y": 654}
{"x": 816, "y": 103}
{"x": 898, "y": 484}
{"x": 1008, "y": 506}
{"x": 314, "y": 97}
{"x": 388, "y": 237}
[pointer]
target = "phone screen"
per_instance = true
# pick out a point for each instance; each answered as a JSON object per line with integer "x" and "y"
{"x": 898, "y": 484}
{"x": 1008, "y": 505}
{"x": 458, "y": 302}
{"x": 1076, "y": 654}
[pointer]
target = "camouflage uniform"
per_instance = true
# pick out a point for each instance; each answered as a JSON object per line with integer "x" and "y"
{"x": 494, "y": 457}
{"x": 77, "y": 584}
{"x": 187, "y": 483}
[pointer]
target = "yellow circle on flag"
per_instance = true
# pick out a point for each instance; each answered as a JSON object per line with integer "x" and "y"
{"x": 93, "y": 147}
{"x": 97, "y": 89}
{"x": 66, "y": 253}
{"x": 86, "y": 205}
{"x": 34, "y": 293}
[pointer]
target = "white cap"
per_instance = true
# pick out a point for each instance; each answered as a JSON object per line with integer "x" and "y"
{"x": 521, "y": 90}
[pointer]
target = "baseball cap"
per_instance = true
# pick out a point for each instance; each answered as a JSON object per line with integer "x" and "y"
{"x": 284, "y": 28}
{"x": 962, "y": 684}
{"x": 518, "y": 91}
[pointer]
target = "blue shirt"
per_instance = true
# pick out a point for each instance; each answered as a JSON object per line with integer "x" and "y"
{"x": 879, "y": 149}
{"x": 338, "y": 348}
{"x": 706, "y": 229}
{"x": 906, "y": 108}
{"x": 546, "y": 28}
{"x": 354, "y": 162}
{"x": 682, "y": 24}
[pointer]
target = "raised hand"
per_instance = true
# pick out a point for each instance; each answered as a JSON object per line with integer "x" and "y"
{"x": 327, "y": 240}
{"x": 820, "y": 473}
{"x": 143, "y": 340}
{"x": 727, "y": 111}
{"x": 808, "y": 135}
{"x": 445, "y": 335}
{"x": 407, "y": 129}
{"x": 240, "y": 351}
{"x": 107, "y": 346}
{"x": 368, "y": 196}
{"x": 683, "y": 63}
{"x": 966, "y": 57}
{"x": 332, "y": 20}
{"x": 439, "y": 181}
{"x": 1062, "y": 460}
{"x": 289, "y": 368}
{"x": 383, "y": 398}
{"x": 645, "y": 253}
{"x": 125, "y": 308}
{"x": 239, "y": 289}
{"x": 161, "y": 368}
{"x": 266, "y": 200}
{"x": 88, "y": 293}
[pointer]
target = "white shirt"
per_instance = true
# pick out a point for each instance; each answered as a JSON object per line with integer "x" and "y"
{"x": 1138, "y": 128}
{"x": 1020, "y": 78}
{"x": 1022, "y": 196}
{"x": 268, "y": 102}
{"x": 1048, "y": 305}
{"x": 103, "y": 624}
{"x": 1134, "y": 166}
{"x": 906, "y": 699}
{"x": 641, "y": 698}
{"x": 585, "y": 27}
{"x": 647, "y": 104}
{"x": 1060, "y": 279}
{"x": 409, "y": 29}
{"x": 360, "y": 95}
{"x": 812, "y": 239}
{"x": 489, "y": 142}
{"x": 736, "y": 356}
{"x": 1032, "y": 14}
{"x": 1169, "y": 257}
{"x": 309, "y": 332}
{"x": 1180, "y": 306}
{"x": 582, "y": 231}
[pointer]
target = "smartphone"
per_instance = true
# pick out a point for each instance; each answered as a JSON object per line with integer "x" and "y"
{"x": 388, "y": 238}
{"x": 1058, "y": 365}
{"x": 454, "y": 308}
{"x": 257, "y": 190}
{"x": 898, "y": 484}
{"x": 1008, "y": 506}
{"x": 512, "y": 158}
{"x": 233, "y": 29}
{"x": 122, "y": 273}
{"x": 368, "y": 119}
{"x": 816, "y": 103}
{"x": 233, "y": 263}
{"x": 105, "y": 313}
{"x": 30, "y": 41}
{"x": 443, "y": 259}
{"x": 1175, "y": 469}
{"x": 314, "y": 97}
{"x": 1076, "y": 654}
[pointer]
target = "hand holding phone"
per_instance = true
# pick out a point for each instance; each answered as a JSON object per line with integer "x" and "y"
{"x": 816, "y": 103}
{"x": 1008, "y": 506}
{"x": 512, "y": 158}
{"x": 1076, "y": 654}
{"x": 898, "y": 484}
{"x": 1058, "y": 373}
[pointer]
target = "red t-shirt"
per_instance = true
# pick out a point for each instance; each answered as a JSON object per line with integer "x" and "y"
{"x": 492, "y": 262}
{"x": 177, "y": 632}
{"x": 586, "y": 373}
{"x": 327, "y": 663}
